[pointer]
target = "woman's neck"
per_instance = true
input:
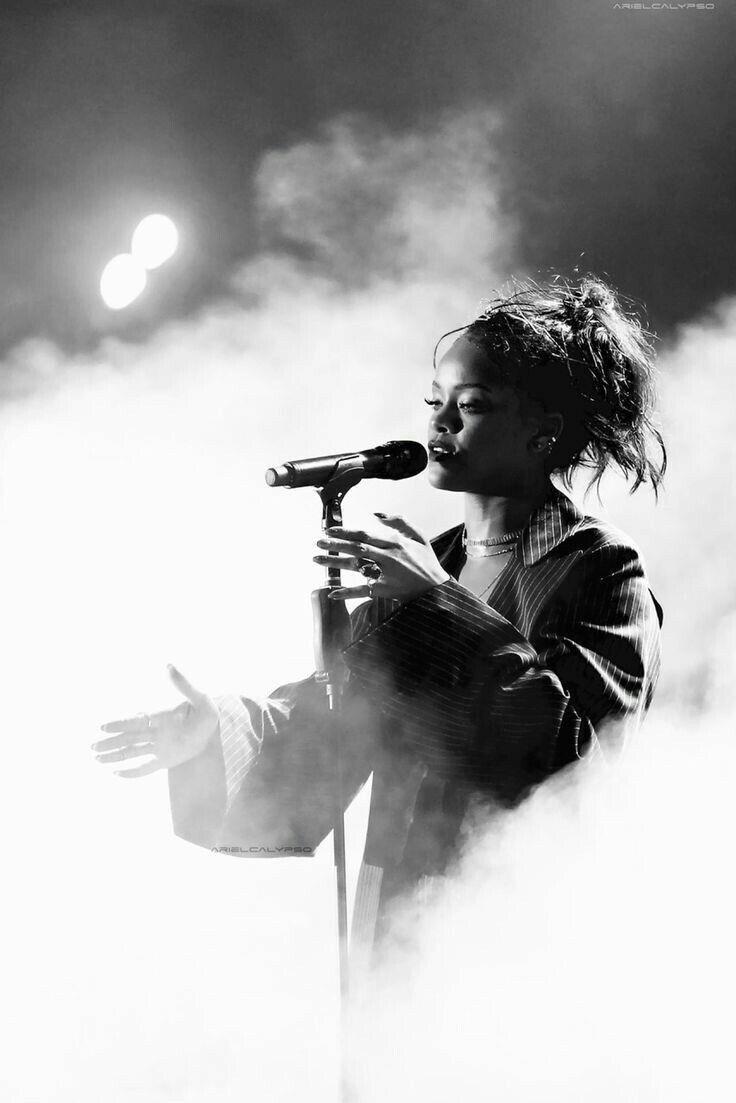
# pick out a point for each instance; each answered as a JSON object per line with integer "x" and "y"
{"x": 490, "y": 516}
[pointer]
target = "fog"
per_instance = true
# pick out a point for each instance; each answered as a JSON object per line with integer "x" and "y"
{"x": 585, "y": 943}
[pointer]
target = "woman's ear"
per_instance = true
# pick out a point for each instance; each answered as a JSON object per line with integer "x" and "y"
{"x": 549, "y": 432}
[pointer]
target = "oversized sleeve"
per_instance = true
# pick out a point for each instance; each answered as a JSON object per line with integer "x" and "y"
{"x": 478, "y": 701}
{"x": 266, "y": 784}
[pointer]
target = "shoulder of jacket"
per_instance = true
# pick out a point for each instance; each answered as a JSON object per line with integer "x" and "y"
{"x": 603, "y": 544}
{"x": 606, "y": 550}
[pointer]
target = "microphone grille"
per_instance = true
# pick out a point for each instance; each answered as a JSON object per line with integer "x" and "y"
{"x": 408, "y": 458}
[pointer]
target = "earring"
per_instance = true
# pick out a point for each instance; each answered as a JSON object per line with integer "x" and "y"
{"x": 541, "y": 446}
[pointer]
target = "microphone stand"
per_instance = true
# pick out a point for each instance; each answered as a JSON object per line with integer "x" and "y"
{"x": 331, "y": 623}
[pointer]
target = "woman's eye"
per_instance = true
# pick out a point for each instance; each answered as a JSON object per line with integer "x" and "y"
{"x": 468, "y": 407}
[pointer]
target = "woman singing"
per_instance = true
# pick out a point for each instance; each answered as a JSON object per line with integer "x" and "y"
{"x": 487, "y": 659}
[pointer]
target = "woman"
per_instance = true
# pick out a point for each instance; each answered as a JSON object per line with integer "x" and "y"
{"x": 502, "y": 651}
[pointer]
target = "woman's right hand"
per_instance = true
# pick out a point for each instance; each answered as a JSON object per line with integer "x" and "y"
{"x": 172, "y": 737}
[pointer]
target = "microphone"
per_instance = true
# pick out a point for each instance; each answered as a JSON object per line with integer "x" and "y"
{"x": 397, "y": 459}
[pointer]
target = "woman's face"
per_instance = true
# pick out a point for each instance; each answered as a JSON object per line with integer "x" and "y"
{"x": 480, "y": 431}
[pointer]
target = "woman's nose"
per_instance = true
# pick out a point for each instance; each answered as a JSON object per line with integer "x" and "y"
{"x": 442, "y": 420}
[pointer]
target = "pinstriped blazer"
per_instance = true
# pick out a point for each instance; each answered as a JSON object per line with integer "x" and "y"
{"x": 451, "y": 700}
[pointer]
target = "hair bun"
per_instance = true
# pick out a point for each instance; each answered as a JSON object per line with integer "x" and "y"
{"x": 585, "y": 304}
{"x": 596, "y": 296}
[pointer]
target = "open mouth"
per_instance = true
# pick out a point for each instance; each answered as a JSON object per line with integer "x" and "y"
{"x": 440, "y": 453}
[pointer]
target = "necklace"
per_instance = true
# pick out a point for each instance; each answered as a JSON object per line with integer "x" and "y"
{"x": 507, "y": 538}
{"x": 486, "y": 589}
{"x": 487, "y": 554}
{"x": 501, "y": 544}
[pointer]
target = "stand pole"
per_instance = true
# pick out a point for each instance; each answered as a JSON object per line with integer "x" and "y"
{"x": 345, "y": 1093}
{"x": 331, "y": 636}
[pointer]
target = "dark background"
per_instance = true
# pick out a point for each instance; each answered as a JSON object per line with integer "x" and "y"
{"x": 616, "y": 141}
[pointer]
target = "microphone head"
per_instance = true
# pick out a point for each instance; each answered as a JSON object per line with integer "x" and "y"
{"x": 404, "y": 458}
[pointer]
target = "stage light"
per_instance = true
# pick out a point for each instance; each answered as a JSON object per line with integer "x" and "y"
{"x": 155, "y": 239}
{"x": 122, "y": 281}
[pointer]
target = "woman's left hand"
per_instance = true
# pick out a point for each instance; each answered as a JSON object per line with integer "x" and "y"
{"x": 407, "y": 561}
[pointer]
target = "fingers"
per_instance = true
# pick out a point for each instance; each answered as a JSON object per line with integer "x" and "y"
{"x": 374, "y": 539}
{"x": 341, "y": 562}
{"x": 127, "y": 739}
{"x": 139, "y": 771}
{"x": 184, "y": 686}
{"x": 347, "y": 593}
{"x": 134, "y": 725}
{"x": 130, "y": 751}
{"x": 355, "y": 550}
{"x": 359, "y": 536}
{"x": 142, "y": 726}
{"x": 395, "y": 522}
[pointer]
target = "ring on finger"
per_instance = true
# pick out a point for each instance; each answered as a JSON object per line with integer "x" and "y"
{"x": 369, "y": 568}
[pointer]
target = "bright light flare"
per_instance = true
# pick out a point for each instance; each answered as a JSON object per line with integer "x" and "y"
{"x": 155, "y": 240}
{"x": 122, "y": 281}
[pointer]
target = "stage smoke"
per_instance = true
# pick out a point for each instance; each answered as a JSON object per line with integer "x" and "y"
{"x": 588, "y": 945}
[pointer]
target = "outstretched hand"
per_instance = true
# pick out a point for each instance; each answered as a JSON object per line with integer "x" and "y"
{"x": 172, "y": 736}
{"x": 407, "y": 562}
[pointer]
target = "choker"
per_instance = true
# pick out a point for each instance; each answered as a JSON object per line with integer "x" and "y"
{"x": 507, "y": 538}
{"x": 501, "y": 545}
